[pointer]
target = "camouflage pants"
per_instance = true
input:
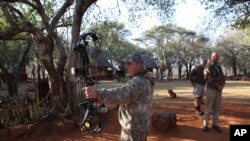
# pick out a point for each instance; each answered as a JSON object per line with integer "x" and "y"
{"x": 213, "y": 104}
{"x": 198, "y": 90}
{"x": 198, "y": 93}
{"x": 134, "y": 135}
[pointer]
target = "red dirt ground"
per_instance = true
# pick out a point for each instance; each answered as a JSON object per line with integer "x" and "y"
{"x": 188, "y": 125}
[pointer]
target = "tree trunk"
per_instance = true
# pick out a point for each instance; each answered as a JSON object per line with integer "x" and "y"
{"x": 187, "y": 70}
{"x": 58, "y": 91}
{"x": 12, "y": 83}
{"x": 80, "y": 8}
{"x": 179, "y": 71}
{"x": 13, "y": 69}
{"x": 234, "y": 71}
{"x": 36, "y": 86}
{"x": 170, "y": 72}
{"x": 47, "y": 39}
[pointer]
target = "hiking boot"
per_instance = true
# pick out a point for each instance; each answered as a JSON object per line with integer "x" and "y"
{"x": 199, "y": 113}
{"x": 217, "y": 128}
{"x": 205, "y": 129}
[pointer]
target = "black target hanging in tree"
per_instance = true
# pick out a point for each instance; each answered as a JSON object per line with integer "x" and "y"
{"x": 92, "y": 113}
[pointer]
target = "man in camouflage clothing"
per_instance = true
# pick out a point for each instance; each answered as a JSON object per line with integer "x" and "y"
{"x": 215, "y": 82}
{"x": 198, "y": 82}
{"x": 134, "y": 98}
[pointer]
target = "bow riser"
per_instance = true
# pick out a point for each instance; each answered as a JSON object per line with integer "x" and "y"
{"x": 89, "y": 110}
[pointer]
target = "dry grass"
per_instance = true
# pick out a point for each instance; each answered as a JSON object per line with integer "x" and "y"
{"x": 234, "y": 91}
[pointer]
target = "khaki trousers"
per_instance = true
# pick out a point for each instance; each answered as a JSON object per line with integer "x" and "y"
{"x": 213, "y": 104}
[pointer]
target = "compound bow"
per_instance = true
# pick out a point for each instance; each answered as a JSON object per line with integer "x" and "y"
{"x": 92, "y": 114}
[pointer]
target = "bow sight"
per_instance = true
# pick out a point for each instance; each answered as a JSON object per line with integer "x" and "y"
{"x": 92, "y": 114}
{"x": 82, "y": 42}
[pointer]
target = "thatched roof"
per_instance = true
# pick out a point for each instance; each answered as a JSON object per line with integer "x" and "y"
{"x": 98, "y": 58}
{"x": 101, "y": 61}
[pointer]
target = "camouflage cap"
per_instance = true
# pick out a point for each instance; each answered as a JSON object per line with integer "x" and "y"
{"x": 204, "y": 61}
{"x": 133, "y": 57}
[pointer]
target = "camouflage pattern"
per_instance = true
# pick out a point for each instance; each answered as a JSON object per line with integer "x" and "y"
{"x": 198, "y": 90}
{"x": 214, "y": 76}
{"x": 135, "y": 100}
{"x": 215, "y": 82}
{"x": 198, "y": 81}
{"x": 197, "y": 75}
{"x": 139, "y": 134}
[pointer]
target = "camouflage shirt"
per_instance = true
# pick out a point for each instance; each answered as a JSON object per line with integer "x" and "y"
{"x": 214, "y": 76}
{"x": 135, "y": 100}
{"x": 197, "y": 75}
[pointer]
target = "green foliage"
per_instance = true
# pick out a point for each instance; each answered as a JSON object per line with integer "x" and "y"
{"x": 175, "y": 47}
{"x": 4, "y": 118}
{"x": 164, "y": 9}
{"x": 234, "y": 50}
{"x": 135, "y": 10}
{"x": 176, "y": 41}
{"x": 19, "y": 111}
{"x": 247, "y": 33}
{"x": 244, "y": 61}
{"x": 114, "y": 40}
{"x": 12, "y": 51}
{"x": 2, "y": 21}
{"x": 42, "y": 19}
{"x": 234, "y": 12}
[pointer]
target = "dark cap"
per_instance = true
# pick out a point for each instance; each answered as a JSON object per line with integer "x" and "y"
{"x": 133, "y": 57}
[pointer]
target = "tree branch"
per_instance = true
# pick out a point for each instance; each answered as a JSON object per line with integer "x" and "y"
{"x": 45, "y": 18}
{"x": 22, "y": 1}
{"x": 10, "y": 33}
{"x": 80, "y": 8}
{"x": 61, "y": 12}
{"x": 7, "y": 14}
